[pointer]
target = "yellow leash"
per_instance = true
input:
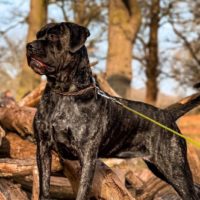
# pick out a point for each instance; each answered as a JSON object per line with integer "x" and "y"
{"x": 188, "y": 139}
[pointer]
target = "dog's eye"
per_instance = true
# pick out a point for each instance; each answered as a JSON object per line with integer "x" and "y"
{"x": 52, "y": 37}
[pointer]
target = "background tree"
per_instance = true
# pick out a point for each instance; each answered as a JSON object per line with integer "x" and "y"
{"x": 152, "y": 58}
{"x": 124, "y": 24}
{"x": 185, "y": 21}
{"x": 37, "y": 18}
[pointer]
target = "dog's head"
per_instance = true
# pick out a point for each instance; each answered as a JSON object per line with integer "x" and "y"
{"x": 55, "y": 45}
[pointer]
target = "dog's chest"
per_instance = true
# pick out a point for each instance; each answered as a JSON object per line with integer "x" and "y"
{"x": 66, "y": 118}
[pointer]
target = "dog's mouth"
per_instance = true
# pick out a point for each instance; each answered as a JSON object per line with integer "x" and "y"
{"x": 37, "y": 65}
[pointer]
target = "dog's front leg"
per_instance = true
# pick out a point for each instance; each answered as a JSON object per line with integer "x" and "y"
{"x": 44, "y": 168}
{"x": 88, "y": 162}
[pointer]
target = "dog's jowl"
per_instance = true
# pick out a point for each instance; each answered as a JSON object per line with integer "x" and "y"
{"x": 77, "y": 121}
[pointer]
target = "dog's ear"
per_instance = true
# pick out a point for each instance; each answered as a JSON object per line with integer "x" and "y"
{"x": 78, "y": 36}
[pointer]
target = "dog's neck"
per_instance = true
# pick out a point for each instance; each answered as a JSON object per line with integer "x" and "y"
{"x": 75, "y": 75}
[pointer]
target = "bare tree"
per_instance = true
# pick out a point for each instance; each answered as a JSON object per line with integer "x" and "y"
{"x": 124, "y": 24}
{"x": 37, "y": 18}
{"x": 185, "y": 21}
{"x": 180, "y": 58}
{"x": 152, "y": 58}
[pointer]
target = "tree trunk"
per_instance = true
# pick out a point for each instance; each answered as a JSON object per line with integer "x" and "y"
{"x": 152, "y": 59}
{"x": 124, "y": 23}
{"x": 79, "y": 12}
{"x": 37, "y": 18}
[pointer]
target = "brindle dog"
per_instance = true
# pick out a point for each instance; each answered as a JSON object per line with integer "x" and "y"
{"x": 82, "y": 122}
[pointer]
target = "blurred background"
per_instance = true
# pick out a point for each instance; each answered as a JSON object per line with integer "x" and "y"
{"x": 149, "y": 50}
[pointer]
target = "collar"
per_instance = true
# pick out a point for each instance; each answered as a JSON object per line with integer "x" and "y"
{"x": 76, "y": 93}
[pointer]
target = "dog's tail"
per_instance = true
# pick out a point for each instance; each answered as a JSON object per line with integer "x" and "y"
{"x": 185, "y": 105}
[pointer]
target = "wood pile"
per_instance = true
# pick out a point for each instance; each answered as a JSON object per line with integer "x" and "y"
{"x": 114, "y": 179}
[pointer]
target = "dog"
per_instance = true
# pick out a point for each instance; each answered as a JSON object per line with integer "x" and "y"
{"x": 81, "y": 122}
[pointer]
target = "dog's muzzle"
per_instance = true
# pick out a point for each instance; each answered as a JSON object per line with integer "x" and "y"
{"x": 36, "y": 64}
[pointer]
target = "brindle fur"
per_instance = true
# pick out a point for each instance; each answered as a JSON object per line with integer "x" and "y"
{"x": 90, "y": 125}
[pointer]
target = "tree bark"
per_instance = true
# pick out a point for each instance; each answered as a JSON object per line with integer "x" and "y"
{"x": 124, "y": 24}
{"x": 28, "y": 80}
{"x": 152, "y": 59}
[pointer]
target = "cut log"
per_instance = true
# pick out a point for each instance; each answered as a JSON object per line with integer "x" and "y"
{"x": 15, "y": 147}
{"x": 16, "y": 167}
{"x": 33, "y": 98}
{"x": 35, "y": 184}
{"x": 134, "y": 184}
{"x": 60, "y": 187}
{"x": 157, "y": 189}
{"x": 2, "y": 134}
{"x": 10, "y": 191}
{"x": 106, "y": 184}
{"x": 20, "y": 171}
{"x": 105, "y": 86}
{"x": 18, "y": 119}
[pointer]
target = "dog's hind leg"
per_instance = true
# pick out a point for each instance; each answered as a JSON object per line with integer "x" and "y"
{"x": 173, "y": 168}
